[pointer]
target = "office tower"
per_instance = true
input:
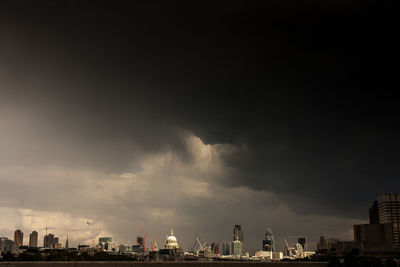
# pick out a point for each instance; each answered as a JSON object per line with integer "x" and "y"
{"x": 269, "y": 241}
{"x": 215, "y": 247}
{"x": 238, "y": 233}
{"x": 19, "y": 237}
{"x": 50, "y": 241}
{"x": 389, "y": 212}
{"x": 226, "y": 248}
{"x": 323, "y": 244}
{"x": 33, "y": 238}
{"x": 302, "y": 241}
{"x": 374, "y": 212}
{"x": 237, "y": 248}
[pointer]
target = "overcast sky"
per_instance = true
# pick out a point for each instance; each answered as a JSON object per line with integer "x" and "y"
{"x": 145, "y": 116}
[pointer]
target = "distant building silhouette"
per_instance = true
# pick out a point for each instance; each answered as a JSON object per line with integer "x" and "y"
{"x": 66, "y": 243}
{"x": 268, "y": 243}
{"x": 238, "y": 233}
{"x": 303, "y": 242}
{"x": 19, "y": 237}
{"x": 226, "y": 248}
{"x": 50, "y": 241}
{"x": 215, "y": 247}
{"x": 33, "y": 239}
{"x": 374, "y": 212}
{"x": 323, "y": 244}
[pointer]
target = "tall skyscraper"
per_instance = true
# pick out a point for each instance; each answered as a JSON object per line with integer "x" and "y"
{"x": 50, "y": 241}
{"x": 227, "y": 248}
{"x": 269, "y": 241}
{"x": 303, "y": 242}
{"x": 374, "y": 213}
{"x": 389, "y": 212}
{"x": 238, "y": 233}
{"x": 33, "y": 238}
{"x": 19, "y": 237}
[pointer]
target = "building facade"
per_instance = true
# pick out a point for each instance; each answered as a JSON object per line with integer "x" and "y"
{"x": 50, "y": 241}
{"x": 237, "y": 248}
{"x": 226, "y": 248}
{"x": 33, "y": 239}
{"x": 8, "y": 246}
{"x": 268, "y": 243}
{"x": 375, "y": 236}
{"x": 19, "y": 237}
{"x": 389, "y": 212}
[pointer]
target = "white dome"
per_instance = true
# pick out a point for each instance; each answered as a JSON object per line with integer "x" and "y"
{"x": 172, "y": 239}
{"x": 171, "y": 242}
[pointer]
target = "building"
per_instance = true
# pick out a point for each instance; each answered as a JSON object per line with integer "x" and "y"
{"x": 389, "y": 212}
{"x": 237, "y": 248}
{"x": 373, "y": 236}
{"x": 171, "y": 250}
{"x": 323, "y": 245}
{"x": 33, "y": 239}
{"x": 227, "y": 248}
{"x": 340, "y": 248}
{"x": 8, "y": 246}
{"x": 238, "y": 233}
{"x": 303, "y": 242}
{"x": 125, "y": 249}
{"x": 171, "y": 242}
{"x": 19, "y": 237}
{"x": 215, "y": 247}
{"x": 269, "y": 255}
{"x": 67, "y": 243}
{"x": 268, "y": 243}
{"x": 50, "y": 241}
{"x": 105, "y": 239}
{"x": 374, "y": 212}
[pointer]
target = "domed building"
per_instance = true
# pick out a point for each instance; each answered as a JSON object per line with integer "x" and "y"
{"x": 171, "y": 250}
{"x": 171, "y": 242}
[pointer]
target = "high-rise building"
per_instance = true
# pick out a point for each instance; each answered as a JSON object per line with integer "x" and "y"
{"x": 19, "y": 237}
{"x": 33, "y": 239}
{"x": 238, "y": 233}
{"x": 389, "y": 212}
{"x": 323, "y": 244}
{"x": 50, "y": 241}
{"x": 237, "y": 248}
{"x": 215, "y": 247}
{"x": 303, "y": 242}
{"x": 226, "y": 248}
{"x": 374, "y": 213}
{"x": 269, "y": 241}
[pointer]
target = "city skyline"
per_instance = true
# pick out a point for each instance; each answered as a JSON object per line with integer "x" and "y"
{"x": 122, "y": 116}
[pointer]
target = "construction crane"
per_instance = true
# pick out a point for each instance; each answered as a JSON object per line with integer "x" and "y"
{"x": 202, "y": 246}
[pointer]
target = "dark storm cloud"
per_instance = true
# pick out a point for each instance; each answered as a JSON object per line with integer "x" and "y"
{"x": 305, "y": 89}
